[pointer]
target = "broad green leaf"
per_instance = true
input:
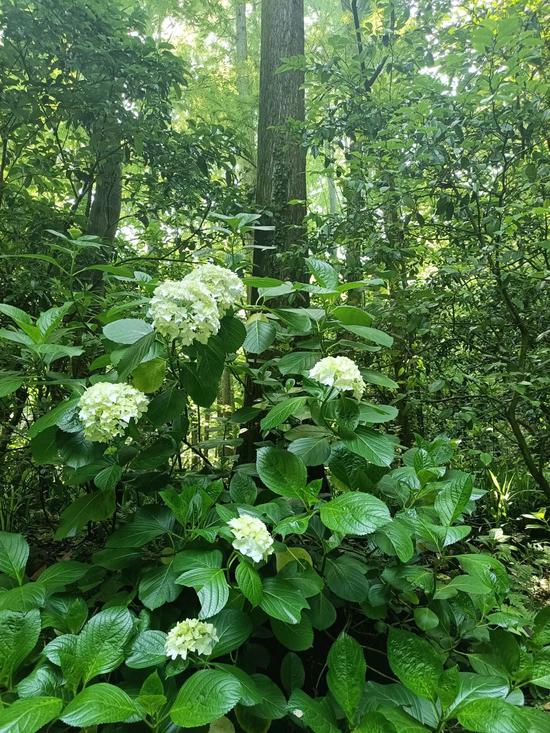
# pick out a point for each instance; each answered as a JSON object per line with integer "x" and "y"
{"x": 349, "y": 315}
{"x": 19, "y": 632}
{"x": 52, "y": 417}
{"x": 147, "y": 650}
{"x": 311, "y": 713}
{"x": 371, "y": 413}
{"x": 282, "y": 411}
{"x": 381, "y": 380}
{"x": 415, "y": 662}
{"x": 134, "y": 354}
{"x": 298, "y": 362}
{"x": 541, "y": 668}
{"x": 281, "y": 471}
{"x": 100, "y": 645}
{"x": 345, "y": 577}
{"x": 297, "y": 637}
{"x": 10, "y": 382}
{"x": 149, "y": 375}
{"x": 91, "y": 507}
{"x": 233, "y": 628}
{"x": 158, "y": 586}
{"x": 148, "y": 523}
{"x": 167, "y": 406}
{"x": 312, "y": 451}
{"x": 127, "y": 330}
{"x": 249, "y": 582}
{"x": 281, "y": 601}
{"x": 398, "y": 533}
{"x": 23, "y": 598}
{"x": 355, "y": 513}
{"x": 14, "y": 553}
{"x": 260, "y": 334}
{"x": 108, "y": 477}
{"x": 43, "y": 681}
{"x": 425, "y": 619}
{"x": 371, "y": 334}
{"x": 491, "y": 715}
{"x": 250, "y": 693}
{"x": 541, "y": 627}
{"x": 325, "y": 275}
{"x": 61, "y": 574}
{"x": 242, "y": 488}
{"x": 453, "y": 498}
{"x": 346, "y": 674}
{"x": 273, "y": 704}
{"x": 204, "y": 697}
{"x": 99, "y": 704}
{"x": 292, "y": 674}
{"x": 29, "y": 715}
{"x": 373, "y": 446}
{"x": 211, "y": 586}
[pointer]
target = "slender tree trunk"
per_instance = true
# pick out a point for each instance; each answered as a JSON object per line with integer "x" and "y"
{"x": 281, "y": 174}
{"x": 107, "y": 197}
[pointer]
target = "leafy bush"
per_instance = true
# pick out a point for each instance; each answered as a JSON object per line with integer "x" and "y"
{"x": 282, "y": 592}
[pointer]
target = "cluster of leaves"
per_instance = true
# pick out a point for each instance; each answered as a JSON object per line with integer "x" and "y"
{"x": 366, "y": 544}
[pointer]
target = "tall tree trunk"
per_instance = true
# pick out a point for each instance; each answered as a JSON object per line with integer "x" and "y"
{"x": 281, "y": 169}
{"x": 107, "y": 195}
{"x": 281, "y": 174}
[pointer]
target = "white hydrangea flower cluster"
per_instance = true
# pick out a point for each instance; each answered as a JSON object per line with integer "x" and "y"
{"x": 185, "y": 311}
{"x": 190, "y": 635}
{"x": 252, "y": 537}
{"x": 225, "y": 287}
{"x": 340, "y": 373}
{"x": 190, "y": 309}
{"x": 106, "y": 409}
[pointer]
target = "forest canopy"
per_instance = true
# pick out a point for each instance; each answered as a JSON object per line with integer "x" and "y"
{"x": 274, "y": 366}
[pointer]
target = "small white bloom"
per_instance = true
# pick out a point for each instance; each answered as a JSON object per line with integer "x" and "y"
{"x": 106, "y": 409}
{"x": 252, "y": 537}
{"x": 190, "y": 635}
{"x": 298, "y": 713}
{"x": 184, "y": 310}
{"x": 340, "y": 373}
{"x": 224, "y": 286}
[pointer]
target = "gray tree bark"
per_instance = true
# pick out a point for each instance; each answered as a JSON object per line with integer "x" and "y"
{"x": 281, "y": 173}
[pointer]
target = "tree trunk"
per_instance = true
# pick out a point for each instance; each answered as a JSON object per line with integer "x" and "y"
{"x": 281, "y": 174}
{"x": 105, "y": 209}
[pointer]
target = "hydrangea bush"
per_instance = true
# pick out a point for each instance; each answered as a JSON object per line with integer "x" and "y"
{"x": 331, "y": 584}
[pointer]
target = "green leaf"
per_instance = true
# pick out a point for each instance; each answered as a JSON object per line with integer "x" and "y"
{"x": 324, "y": 274}
{"x": 371, "y": 413}
{"x": 147, "y": 650}
{"x": 127, "y": 330}
{"x": 99, "y": 704}
{"x": 297, "y": 637}
{"x": 148, "y": 523}
{"x": 100, "y": 645}
{"x": 298, "y": 362}
{"x": 88, "y": 508}
{"x": 281, "y": 412}
{"x": 312, "y": 451}
{"x": 314, "y": 715}
{"x": 211, "y": 586}
{"x": 10, "y": 382}
{"x": 374, "y": 447}
{"x": 493, "y": 716}
{"x": 19, "y": 632}
{"x": 61, "y": 574}
{"x": 52, "y": 417}
{"x": 250, "y": 694}
{"x": 292, "y": 674}
{"x": 273, "y": 704}
{"x": 426, "y": 619}
{"x": 541, "y": 627}
{"x": 149, "y": 375}
{"x": 16, "y": 314}
{"x": 108, "y": 477}
{"x": 23, "y": 598}
{"x": 134, "y": 354}
{"x": 355, "y": 513}
{"x": 281, "y": 601}
{"x": 249, "y": 582}
{"x": 296, "y": 318}
{"x": 415, "y": 662}
{"x": 346, "y": 674}
{"x": 167, "y": 406}
{"x": 379, "y": 379}
{"x": 158, "y": 586}
{"x": 541, "y": 668}
{"x": 345, "y": 577}
{"x": 371, "y": 334}
{"x": 233, "y": 628}
{"x": 399, "y": 535}
{"x": 453, "y": 498}
{"x": 281, "y": 471}
{"x": 242, "y": 488}
{"x": 260, "y": 334}
{"x": 204, "y": 697}
{"x": 29, "y": 715}
{"x": 14, "y": 553}
{"x": 349, "y": 315}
